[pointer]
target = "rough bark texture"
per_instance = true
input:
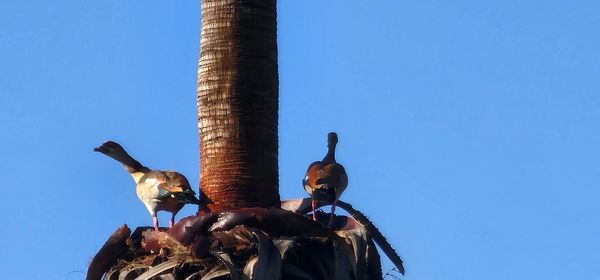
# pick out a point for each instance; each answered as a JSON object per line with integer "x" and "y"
{"x": 238, "y": 103}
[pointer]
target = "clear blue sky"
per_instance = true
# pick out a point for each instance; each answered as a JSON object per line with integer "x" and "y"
{"x": 469, "y": 129}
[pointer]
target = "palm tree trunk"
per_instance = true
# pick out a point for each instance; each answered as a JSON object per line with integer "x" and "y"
{"x": 238, "y": 104}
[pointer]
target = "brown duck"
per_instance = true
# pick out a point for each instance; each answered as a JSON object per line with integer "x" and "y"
{"x": 326, "y": 180}
{"x": 158, "y": 190}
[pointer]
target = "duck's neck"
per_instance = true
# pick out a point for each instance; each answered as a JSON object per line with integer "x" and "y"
{"x": 330, "y": 156}
{"x": 137, "y": 176}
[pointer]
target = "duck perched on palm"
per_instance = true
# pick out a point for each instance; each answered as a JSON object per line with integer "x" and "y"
{"x": 158, "y": 190}
{"x": 326, "y": 180}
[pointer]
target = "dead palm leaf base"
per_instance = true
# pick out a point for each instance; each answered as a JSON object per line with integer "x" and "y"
{"x": 248, "y": 243}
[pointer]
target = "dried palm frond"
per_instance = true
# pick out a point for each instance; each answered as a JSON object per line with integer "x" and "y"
{"x": 302, "y": 206}
{"x": 243, "y": 244}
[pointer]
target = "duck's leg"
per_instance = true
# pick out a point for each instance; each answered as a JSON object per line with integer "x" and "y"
{"x": 314, "y": 209}
{"x": 172, "y": 221}
{"x": 155, "y": 220}
{"x": 332, "y": 214}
